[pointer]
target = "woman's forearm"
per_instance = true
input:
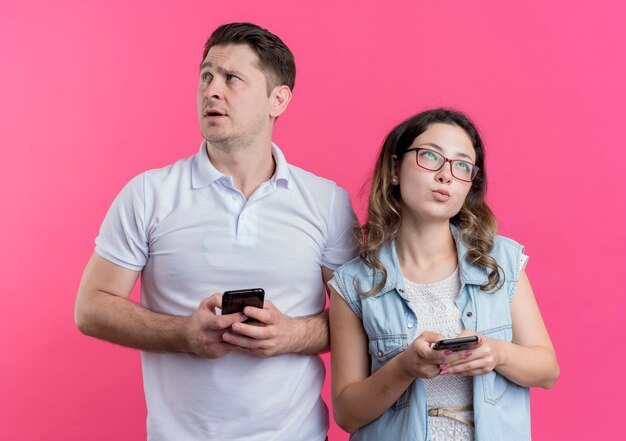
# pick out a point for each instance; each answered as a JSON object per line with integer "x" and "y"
{"x": 362, "y": 402}
{"x": 529, "y": 366}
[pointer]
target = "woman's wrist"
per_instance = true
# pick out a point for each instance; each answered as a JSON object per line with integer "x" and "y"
{"x": 402, "y": 366}
{"x": 499, "y": 352}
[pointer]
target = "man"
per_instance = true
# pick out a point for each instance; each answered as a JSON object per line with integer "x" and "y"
{"x": 234, "y": 215}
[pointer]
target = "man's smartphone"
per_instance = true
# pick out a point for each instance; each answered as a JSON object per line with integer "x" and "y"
{"x": 235, "y": 301}
{"x": 456, "y": 344}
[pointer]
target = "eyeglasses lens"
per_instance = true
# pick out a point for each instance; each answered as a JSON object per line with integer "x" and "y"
{"x": 434, "y": 161}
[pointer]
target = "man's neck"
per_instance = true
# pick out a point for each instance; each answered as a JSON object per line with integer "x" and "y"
{"x": 249, "y": 167}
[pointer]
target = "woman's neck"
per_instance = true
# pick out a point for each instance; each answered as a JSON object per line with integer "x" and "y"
{"x": 426, "y": 251}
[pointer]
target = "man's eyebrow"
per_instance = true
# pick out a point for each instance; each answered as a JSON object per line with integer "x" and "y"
{"x": 457, "y": 154}
{"x": 207, "y": 64}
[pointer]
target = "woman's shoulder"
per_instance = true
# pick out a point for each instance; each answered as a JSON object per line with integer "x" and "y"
{"x": 353, "y": 268}
{"x": 506, "y": 244}
{"x": 508, "y": 253}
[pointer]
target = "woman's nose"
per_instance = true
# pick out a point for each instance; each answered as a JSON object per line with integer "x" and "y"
{"x": 444, "y": 175}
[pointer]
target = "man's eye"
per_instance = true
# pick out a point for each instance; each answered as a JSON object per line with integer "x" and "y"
{"x": 230, "y": 77}
{"x": 206, "y": 77}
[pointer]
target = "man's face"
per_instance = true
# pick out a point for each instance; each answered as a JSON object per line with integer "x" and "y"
{"x": 233, "y": 106}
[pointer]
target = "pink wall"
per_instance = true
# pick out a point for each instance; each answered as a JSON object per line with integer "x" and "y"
{"x": 94, "y": 94}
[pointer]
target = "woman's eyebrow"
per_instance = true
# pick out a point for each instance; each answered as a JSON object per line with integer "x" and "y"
{"x": 456, "y": 154}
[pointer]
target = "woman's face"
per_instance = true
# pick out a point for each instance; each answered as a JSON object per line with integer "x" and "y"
{"x": 435, "y": 195}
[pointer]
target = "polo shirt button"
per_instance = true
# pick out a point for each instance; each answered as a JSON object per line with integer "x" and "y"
{"x": 400, "y": 290}
{"x": 468, "y": 313}
{"x": 380, "y": 353}
{"x": 409, "y": 325}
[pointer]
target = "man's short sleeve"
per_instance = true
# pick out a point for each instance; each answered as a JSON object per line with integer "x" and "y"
{"x": 122, "y": 238}
{"x": 341, "y": 245}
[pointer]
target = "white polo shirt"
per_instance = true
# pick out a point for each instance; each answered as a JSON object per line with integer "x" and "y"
{"x": 191, "y": 234}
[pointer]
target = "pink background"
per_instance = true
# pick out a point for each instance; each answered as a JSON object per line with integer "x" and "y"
{"x": 95, "y": 94}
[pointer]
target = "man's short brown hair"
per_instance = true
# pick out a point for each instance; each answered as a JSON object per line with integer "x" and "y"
{"x": 275, "y": 59}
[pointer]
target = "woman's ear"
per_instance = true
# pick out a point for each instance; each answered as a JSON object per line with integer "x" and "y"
{"x": 394, "y": 170}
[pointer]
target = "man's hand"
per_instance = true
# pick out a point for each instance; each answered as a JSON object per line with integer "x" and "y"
{"x": 275, "y": 334}
{"x": 206, "y": 329}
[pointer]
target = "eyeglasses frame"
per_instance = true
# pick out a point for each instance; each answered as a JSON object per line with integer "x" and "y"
{"x": 417, "y": 150}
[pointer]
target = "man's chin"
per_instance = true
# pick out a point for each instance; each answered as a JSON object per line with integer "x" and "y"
{"x": 215, "y": 136}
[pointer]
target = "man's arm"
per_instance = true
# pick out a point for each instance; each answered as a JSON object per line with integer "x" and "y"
{"x": 280, "y": 334}
{"x": 103, "y": 310}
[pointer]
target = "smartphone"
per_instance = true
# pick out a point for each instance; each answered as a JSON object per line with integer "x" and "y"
{"x": 235, "y": 301}
{"x": 456, "y": 344}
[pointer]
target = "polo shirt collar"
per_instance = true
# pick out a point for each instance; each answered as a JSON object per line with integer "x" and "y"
{"x": 282, "y": 175}
{"x": 203, "y": 173}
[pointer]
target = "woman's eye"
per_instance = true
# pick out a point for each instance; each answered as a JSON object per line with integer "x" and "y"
{"x": 463, "y": 166}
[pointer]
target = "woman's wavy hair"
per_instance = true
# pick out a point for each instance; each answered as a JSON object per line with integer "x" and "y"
{"x": 475, "y": 221}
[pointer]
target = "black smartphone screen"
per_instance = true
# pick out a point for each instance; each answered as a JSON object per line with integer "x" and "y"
{"x": 456, "y": 344}
{"x": 235, "y": 301}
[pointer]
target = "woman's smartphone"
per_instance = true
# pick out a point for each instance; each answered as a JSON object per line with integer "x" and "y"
{"x": 456, "y": 344}
{"x": 235, "y": 301}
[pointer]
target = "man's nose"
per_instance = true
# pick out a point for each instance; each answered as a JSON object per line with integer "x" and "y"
{"x": 213, "y": 90}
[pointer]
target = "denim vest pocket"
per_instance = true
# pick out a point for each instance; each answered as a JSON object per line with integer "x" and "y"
{"x": 495, "y": 385}
{"x": 386, "y": 346}
{"x": 383, "y": 348}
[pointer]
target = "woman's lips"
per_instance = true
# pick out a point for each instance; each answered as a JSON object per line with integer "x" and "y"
{"x": 441, "y": 196}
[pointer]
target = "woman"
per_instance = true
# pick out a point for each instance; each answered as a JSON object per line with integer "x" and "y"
{"x": 431, "y": 267}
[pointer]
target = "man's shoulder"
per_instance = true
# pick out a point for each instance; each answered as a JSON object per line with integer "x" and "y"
{"x": 170, "y": 174}
{"x": 161, "y": 181}
{"x": 310, "y": 181}
{"x": 324, "y": 194}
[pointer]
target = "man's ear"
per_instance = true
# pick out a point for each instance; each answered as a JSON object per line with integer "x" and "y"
{"x": 279, "y": 100}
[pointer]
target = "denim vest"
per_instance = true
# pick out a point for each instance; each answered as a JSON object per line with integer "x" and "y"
{"x": 501, "y": 407}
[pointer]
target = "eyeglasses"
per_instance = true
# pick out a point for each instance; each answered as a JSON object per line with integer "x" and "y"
{"x": 434, "y": 161}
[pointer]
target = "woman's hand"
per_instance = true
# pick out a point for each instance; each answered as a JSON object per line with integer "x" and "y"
{"x": 529, "y": 360}
{"x": 479, "y": 360}
{"x": 420, "y": 361}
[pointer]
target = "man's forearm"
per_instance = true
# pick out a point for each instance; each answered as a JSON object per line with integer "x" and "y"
{"x": 311, "y": 334}
{"x": 118, "y": 320}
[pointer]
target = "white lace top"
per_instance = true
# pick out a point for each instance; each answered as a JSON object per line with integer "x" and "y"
{"x": 434, "y": 306}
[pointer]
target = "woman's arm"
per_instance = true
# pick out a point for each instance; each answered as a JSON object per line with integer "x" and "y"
{"x": 530, "y": 359}
{"x": 358, "y": 397}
